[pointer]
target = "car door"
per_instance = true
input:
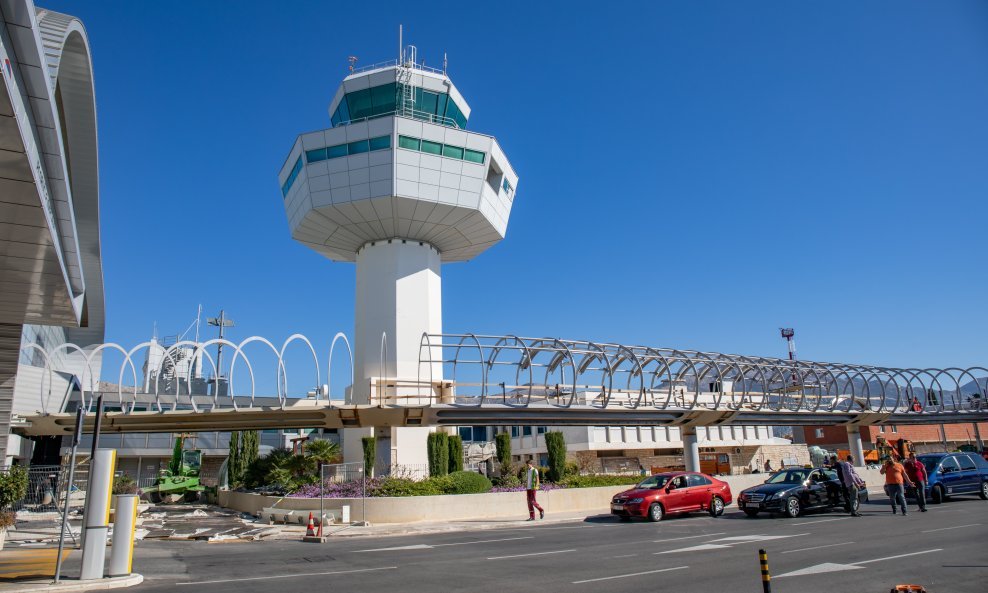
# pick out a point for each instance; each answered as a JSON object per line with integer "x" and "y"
{"x": 699, "y": 491}
{"x": 815, "y": 490}
{"x": 675, "y": 499}
{"x": 970, "y": 479}
{"x": 950, "y": 475}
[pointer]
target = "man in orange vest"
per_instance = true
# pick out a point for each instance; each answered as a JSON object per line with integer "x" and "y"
{"x": 895, "y": 480}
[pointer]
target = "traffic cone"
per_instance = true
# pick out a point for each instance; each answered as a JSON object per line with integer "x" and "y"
{"x": 310, "y": 531}
{"x": 321, "y": 521}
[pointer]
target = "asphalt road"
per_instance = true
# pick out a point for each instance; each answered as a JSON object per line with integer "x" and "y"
{"x": 945, "y": 549}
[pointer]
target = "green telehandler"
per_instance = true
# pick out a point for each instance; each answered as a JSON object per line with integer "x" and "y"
{"x": 181, "y": 480}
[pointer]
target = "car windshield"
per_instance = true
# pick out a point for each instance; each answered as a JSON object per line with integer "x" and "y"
{"x": 791, "y": 476}
{"x": 930, "y": 462}
{"x": 654, "y": 482}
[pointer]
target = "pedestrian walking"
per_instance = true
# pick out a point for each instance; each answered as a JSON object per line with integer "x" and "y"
{"x": 917, "y": 473}
{"x": 531, "y": 485}
{"x": 895, "y": 482}
{"x": 851, "y": 483}
{"x": 768, "y": 465}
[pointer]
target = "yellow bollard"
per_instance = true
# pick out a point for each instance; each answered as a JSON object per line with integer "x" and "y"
{"x": 766, "y": 576}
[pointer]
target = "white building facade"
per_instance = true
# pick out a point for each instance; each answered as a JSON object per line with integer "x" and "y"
{"x": 51, "y": 278}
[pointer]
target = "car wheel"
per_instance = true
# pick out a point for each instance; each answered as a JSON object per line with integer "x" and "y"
{"x": 655, "y": 512}
{"x": 793, "y": 508}
{"x": 716, "y": 507}
{"x": 938, "y": 495}
{"x": 751, "y": 513}
{"x": 984, "y": 490}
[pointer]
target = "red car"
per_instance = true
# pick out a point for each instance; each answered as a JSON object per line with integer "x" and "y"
{"x": 671, "y": 493}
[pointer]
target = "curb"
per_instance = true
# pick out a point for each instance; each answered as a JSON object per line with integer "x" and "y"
{"x": 76, "y": 585}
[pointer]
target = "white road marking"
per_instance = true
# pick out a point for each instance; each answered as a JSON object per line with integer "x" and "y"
{"x": 831, "y": 567}
{"x": 429, "y": 547}
{"x": 676, "y": 539}
{"x": 821, "y": 521}
{"x": 817, "y": 569}
{"x": 531, "y": 554}
{"x": 289, "y": 576}
{"x": 817, "y": 547}
{"x": 625, "y": 556}
{"x": 742, "y": 539}
{"x": 396, "y": 548}
{"x": 900, "y": 556}
{"x": 954, "y": 527}
{"x": 482, "y": 541}
{"x": 634, "y": 574}
{"x": 699, "y": 548}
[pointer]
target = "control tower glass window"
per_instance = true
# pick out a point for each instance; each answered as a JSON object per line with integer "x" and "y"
{"x": 393, "y": 98}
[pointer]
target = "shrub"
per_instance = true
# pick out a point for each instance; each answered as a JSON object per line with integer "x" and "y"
{"x": 438, "y": 452}
{"x": 13, "y": 486}
{"x": 124, "y": 484}
{"x": 507, "y": 480}
{"x": 556, "y": 446}
{"x": 572, "y": 469}
{"x": 502, "y": 443}
{"x": 7, "y": 519}
{"x": 594, "y": 481}
{"x": 406, "y": 487}
{"x": 455, "y": 454}
{"x": 468, "y": 483}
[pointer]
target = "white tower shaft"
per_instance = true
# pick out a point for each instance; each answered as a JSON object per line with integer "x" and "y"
{"x": 399, "y": 296}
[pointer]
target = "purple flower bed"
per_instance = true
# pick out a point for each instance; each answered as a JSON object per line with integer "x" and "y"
{"x": 337, "y": 489}
{"x": 542, "y": 488}
{"x": 353, "y": 489}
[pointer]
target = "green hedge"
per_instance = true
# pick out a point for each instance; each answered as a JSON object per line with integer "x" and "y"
{"x": 594, "y": 481}
{"x": 468, "y": 483}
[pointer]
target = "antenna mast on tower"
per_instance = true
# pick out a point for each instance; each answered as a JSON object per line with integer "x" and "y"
{"x": 788, "y": 333}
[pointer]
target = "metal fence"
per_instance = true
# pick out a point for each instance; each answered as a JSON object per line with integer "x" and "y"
{"x": 47, "y": 487}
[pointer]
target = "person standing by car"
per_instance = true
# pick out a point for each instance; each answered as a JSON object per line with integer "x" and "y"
{"x": 849, "y": 482}
{"x": 895, "y": 481}
{"x": 917, "y": 473}
{"x": 531, "y": 485}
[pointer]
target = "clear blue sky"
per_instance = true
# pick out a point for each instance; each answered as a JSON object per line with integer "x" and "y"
{"x": 692, "y": 174}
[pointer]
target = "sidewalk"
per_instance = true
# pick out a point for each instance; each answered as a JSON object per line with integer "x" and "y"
{"x": 27, "y": 569}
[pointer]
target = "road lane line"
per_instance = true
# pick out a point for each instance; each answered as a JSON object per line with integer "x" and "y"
{"x": 821, "y": 521}
{"x": 954, "y": 527}
{"x": 676, "y": 539}
{"x": 531, "y": 554}
{"x": 818, "y": 547}
{"x": 900, "y": 556}
{"x": 482, "y": 541}
{"x": 398, "y": 548}
{"x": 634, "y": 574}
{"x": 288, "y": 576}
{"x": 625, "y": 556}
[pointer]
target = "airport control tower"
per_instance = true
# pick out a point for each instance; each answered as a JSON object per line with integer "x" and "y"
{"x": 398, "y": 185}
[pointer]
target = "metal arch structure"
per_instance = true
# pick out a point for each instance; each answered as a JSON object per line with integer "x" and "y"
{"x": 643, "y": 378}
{"x": 513, "y": 380}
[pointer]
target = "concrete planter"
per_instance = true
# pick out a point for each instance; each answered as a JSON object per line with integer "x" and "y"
{"x": 466, "y": 507}
{"x": 3, "y": 538}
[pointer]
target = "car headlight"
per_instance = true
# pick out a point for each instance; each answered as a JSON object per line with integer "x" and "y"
{"x": 636, "y": 500}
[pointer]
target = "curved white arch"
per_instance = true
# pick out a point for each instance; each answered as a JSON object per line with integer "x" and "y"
{"x": 329, "y": 365}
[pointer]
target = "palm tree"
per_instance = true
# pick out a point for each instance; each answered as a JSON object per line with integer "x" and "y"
{"x": 322, "y": 452}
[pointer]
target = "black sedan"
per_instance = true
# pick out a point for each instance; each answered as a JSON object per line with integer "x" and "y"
{"x": 792, "y": 491}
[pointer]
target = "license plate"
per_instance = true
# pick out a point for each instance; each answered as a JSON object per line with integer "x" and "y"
{"x": 617, "y": 507}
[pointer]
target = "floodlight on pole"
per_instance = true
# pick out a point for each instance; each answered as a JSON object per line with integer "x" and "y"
{"x": 221, "y": 322}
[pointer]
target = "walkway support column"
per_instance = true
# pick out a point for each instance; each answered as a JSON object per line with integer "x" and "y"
{"x": 691, "y": 450}
{"x": 854, "y": 444}
{"x": 96, "y": 514}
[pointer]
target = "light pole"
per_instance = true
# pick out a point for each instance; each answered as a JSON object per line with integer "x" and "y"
{"x": 219, "y": 322}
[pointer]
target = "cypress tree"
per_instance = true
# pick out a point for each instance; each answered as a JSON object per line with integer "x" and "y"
{"x": 556, "y": 446}
{"x": 438, "y": 452}
{"x": 455, "y": 454}
{"x": 234, "y": 473}
{"x": 370, "y": 453}
{"x": 502, "y": 443}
